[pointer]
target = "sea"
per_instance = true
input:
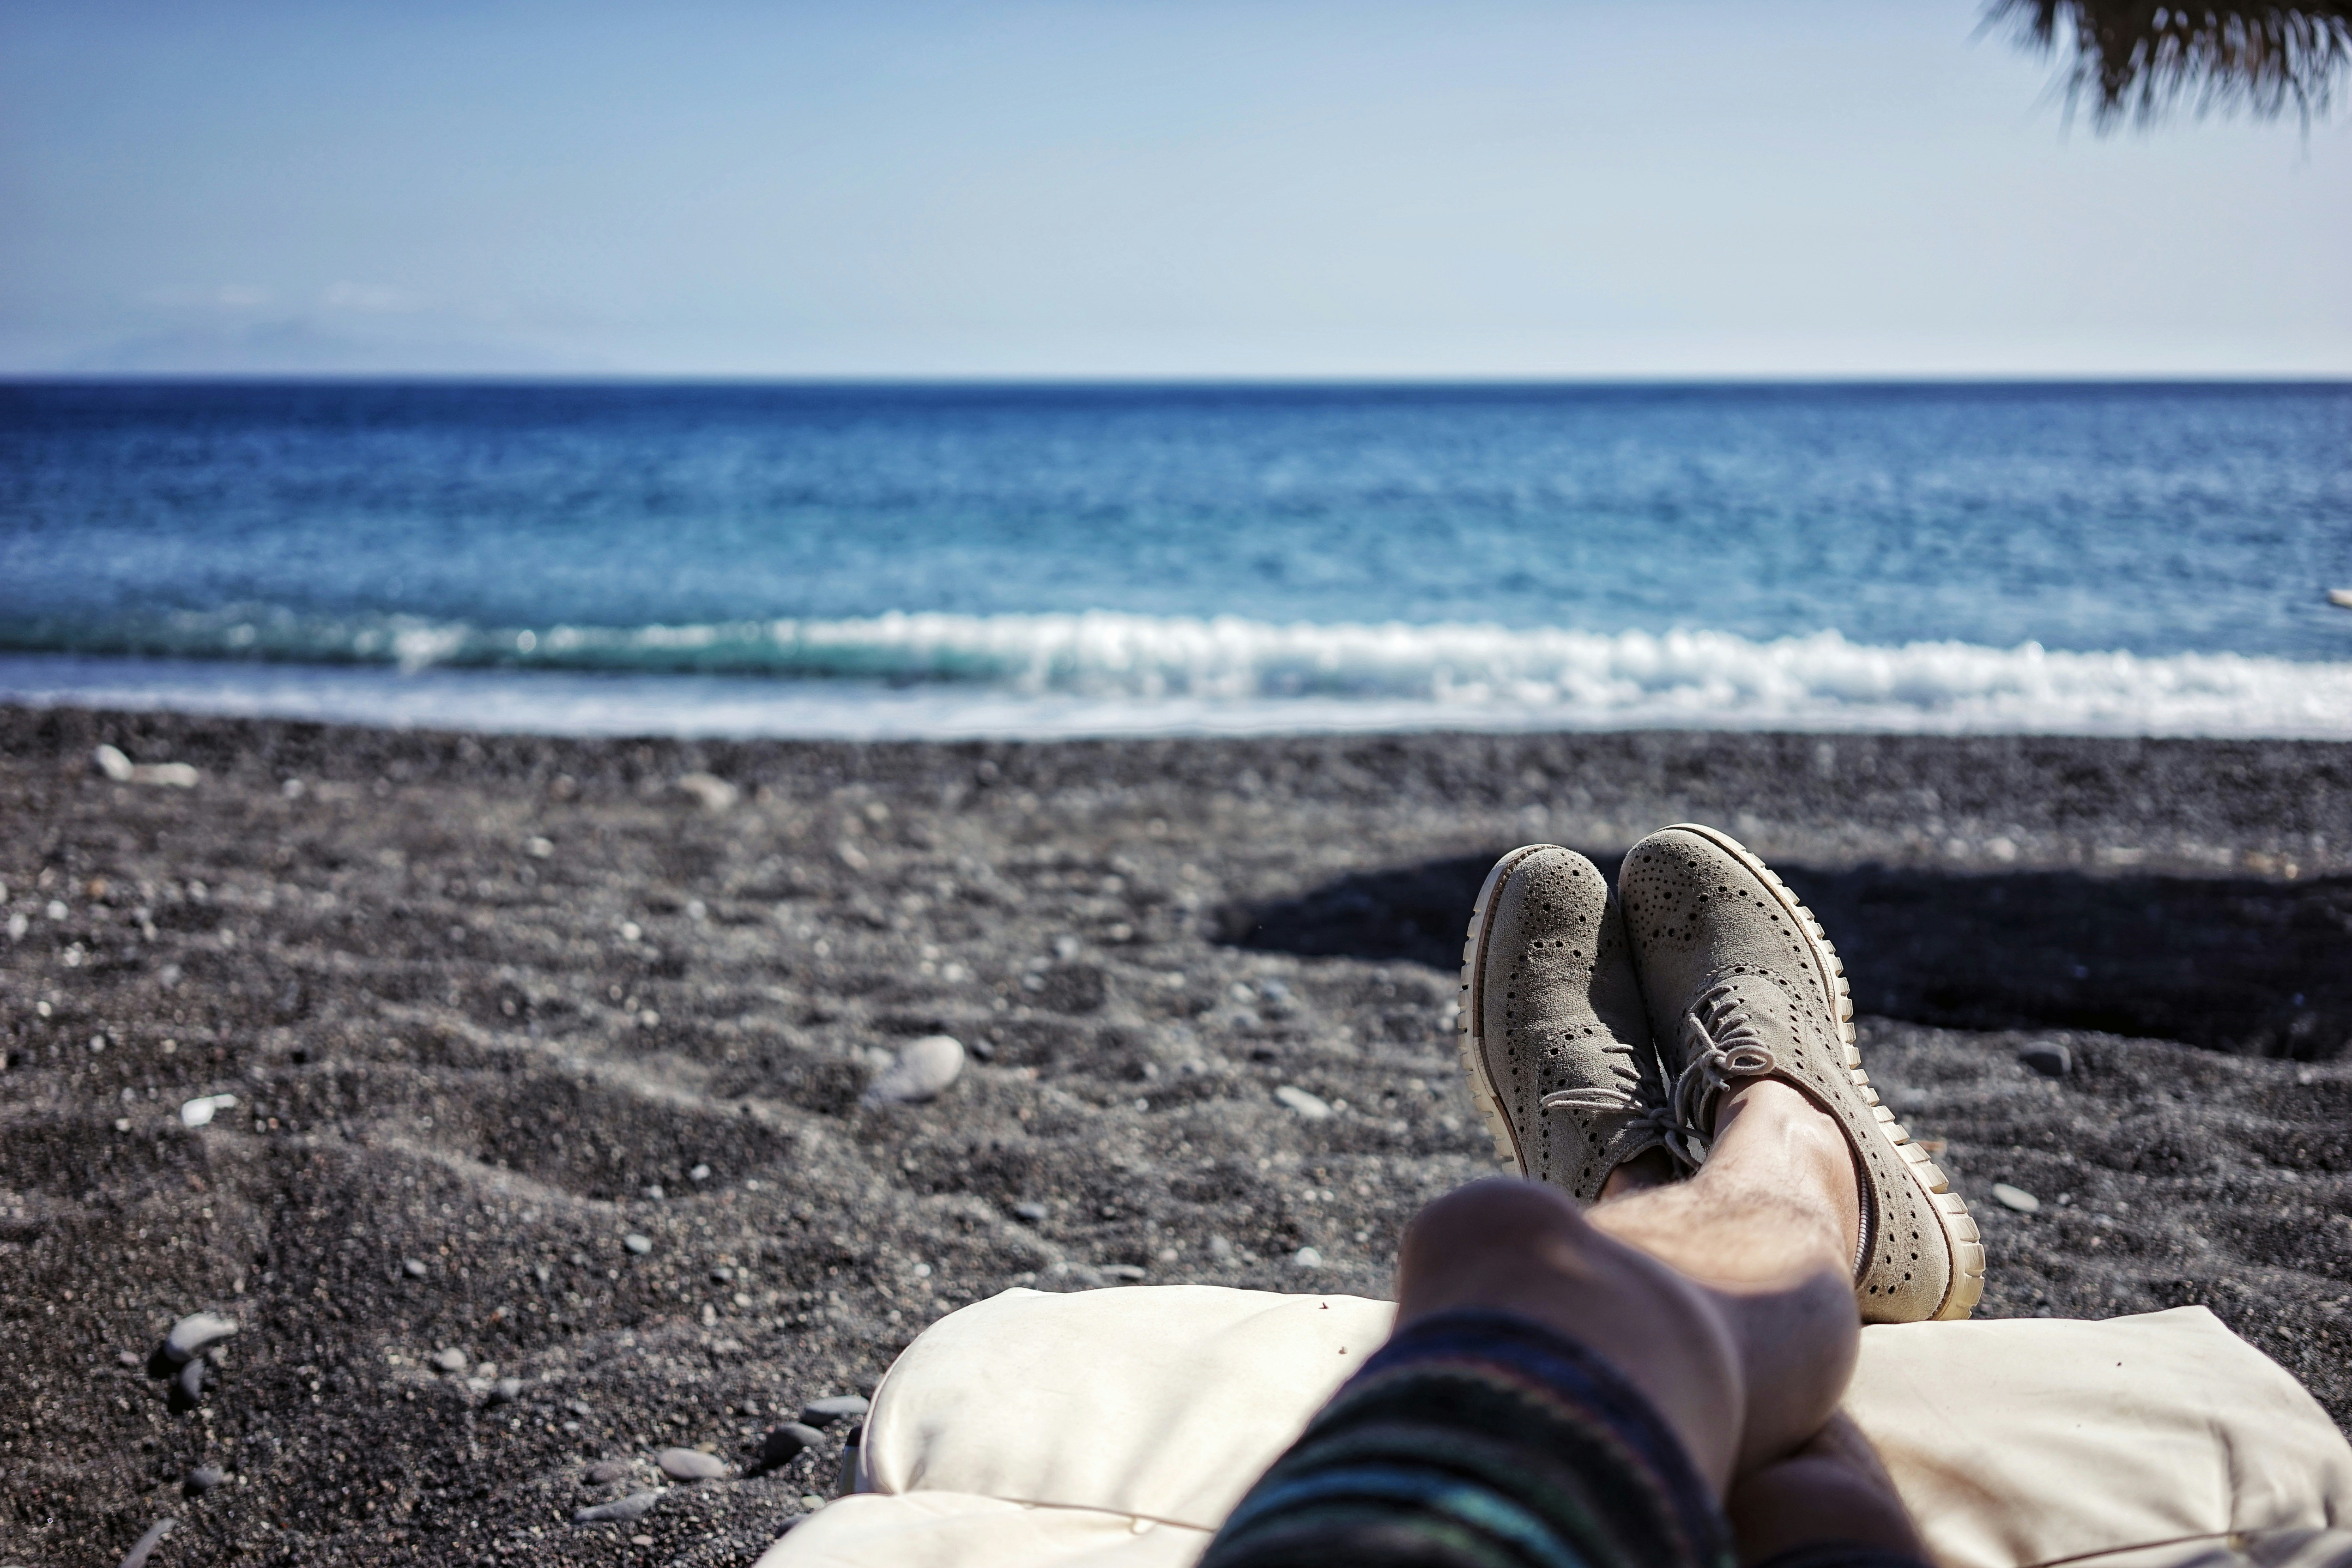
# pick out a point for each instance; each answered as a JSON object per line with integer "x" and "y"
{"x": 876, "y": 560}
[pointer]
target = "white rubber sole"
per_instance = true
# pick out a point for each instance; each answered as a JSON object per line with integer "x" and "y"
{"x": 1950, "y": 1210}
{"x": 1470, "y": 1023}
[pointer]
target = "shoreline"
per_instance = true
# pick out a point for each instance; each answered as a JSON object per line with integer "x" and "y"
{"x": 401, "y": 951}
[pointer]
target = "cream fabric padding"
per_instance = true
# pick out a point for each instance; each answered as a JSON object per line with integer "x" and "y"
{"x": 957, "y": 1530}
{"x": 2023, "y": 1440}
{"x": 1042, "y": 1429}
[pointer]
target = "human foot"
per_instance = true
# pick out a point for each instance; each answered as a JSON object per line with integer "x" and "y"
{"x": 1744, "y": 985}
{"x": 1553, "y": 1034}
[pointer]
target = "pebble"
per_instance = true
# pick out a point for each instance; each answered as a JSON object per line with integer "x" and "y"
{"x": 148, "y": 1542}
{"x": 708, "y": 791}
{"x": 1312, "y": 1107}
{"x": 690, "y": 1465}
{"x": 1125, "y": 1270}
{"x": 620, "y": 1511}
{"x": 922, "y": 1071}
{"x": 1034, "y": 1213}
{"x": 412, "y": 1266}
{"x": 449, "y": 1358}
{"x": 2016, "y": 1198}
{"x": 840, "y": 1408}
{"x": 640, "y": 1245}
{"x": 187, "y": 1390}
{"x": 784, "y": 1443}
{"x": 605, "y": 1472}
{"x": 2050, "y": 1061}
{"x": 128, "y": 1358}
{"x": 506, "y": 1390}
{"x": 699, "y": 1173}
{"x": 1307, "y": 1258}
{"x": 202, "y": 1480}
{"x": 199, "y": 1111}
{"x": 194, "y": 1334}
{"x": 109, "y": 761}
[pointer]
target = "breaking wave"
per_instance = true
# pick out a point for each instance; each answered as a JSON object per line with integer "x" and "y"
{"x": 1109, "y": 672}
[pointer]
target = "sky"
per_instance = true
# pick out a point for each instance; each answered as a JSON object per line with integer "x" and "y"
{"x": 1130, "y": 188}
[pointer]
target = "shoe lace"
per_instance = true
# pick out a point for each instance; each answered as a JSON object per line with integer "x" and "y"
{"x": 1719, "y": 1044}
{"x": 1615, "y": 1098}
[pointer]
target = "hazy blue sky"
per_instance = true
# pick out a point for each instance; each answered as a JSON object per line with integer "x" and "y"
{"x": 1129, "y": 187}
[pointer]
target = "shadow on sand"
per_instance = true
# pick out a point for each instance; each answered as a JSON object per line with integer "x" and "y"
{"x": 2240, "y": 964}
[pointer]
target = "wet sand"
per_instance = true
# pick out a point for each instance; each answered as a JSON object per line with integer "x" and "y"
{"x": 488, "y": 1006}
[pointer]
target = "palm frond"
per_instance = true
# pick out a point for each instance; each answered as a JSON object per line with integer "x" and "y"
{"x": 2135, "y": 60}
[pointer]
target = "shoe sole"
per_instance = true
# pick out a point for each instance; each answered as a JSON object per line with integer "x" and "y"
{"x": 1951, "y": 1211}
{"x": 1471, "y": 1024}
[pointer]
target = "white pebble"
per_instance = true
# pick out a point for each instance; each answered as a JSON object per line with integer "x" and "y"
{"x": 112, "y": 764}
{"x": 1307, "y": 1258}
{"x": 713, "y": 794}
{"x": 2016, "y": 1198}
{"x": 922, "y": 1071}
{"x": 1309, "y": 1106}
{"x": 198, "y": 1112}
{"x": 194, "y": 1334}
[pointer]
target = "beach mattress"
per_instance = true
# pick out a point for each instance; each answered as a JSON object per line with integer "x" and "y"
{"x": 1115, "y": 1428}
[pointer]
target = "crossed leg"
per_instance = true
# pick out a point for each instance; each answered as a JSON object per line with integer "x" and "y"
{"x": 1725, "y": 1300}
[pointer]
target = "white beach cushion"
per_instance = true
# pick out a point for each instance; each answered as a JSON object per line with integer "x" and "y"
{"x": 1118, "y": 1428}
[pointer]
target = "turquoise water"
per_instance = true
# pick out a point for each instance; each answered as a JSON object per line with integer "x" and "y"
{"x": 1041, "y": 560}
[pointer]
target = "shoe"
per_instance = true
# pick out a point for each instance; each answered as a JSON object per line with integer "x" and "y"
{"x": 1743, "y": 984}
{"x": 1553, "y": 1035}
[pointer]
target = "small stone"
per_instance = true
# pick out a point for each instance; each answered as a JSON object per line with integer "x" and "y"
{"x": 2050, "y": 1061}
{"x": 708, "y": 791}
{"x": 202, "y": 1480}
{"x": 199, "y": 1111}
{"x": 506, "y": 1390}
{"x": 412, "y": 1266}
{"x": 1312, "y": 1107}
{"x": 2016, "y": 1198}
{"x": 194, "y": 1334}
{"x": 640, "y": 1541}
{"x": 539, "y": 848}
{"x": 580, "y": 1407}
{"x": 654, "y": 1192}
{"x": 1307, "y": 1258}
{"x": 699, "y": 1173}
{"x": 128, "y": 1358}
{"x": 839, "y": 1407}
{"x": 690, "y": 1465}
{"x": 110, "y": 762}
{"x": 1125, "y": 1271}
{"x": 449, "y": 1358}
{"x": 138, "y": 1555}
{"x": 785, "y": 1442}
{"x": 605, "y": 1472}
{"x": 922, "y": 1071}
{"x": 640, "y": 1245}
{"x": 620, "y": 1511}
{"x": 187, "y": 1390}
{"x": 1034, "y": 1213}
{"x": 1220, "y": 1249}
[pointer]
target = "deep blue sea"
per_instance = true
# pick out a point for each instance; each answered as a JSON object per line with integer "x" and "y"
{"x": 876, "y": 560}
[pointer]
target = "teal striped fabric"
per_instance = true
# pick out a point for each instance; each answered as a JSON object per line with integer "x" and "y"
{"x": 1478, "y": 1439}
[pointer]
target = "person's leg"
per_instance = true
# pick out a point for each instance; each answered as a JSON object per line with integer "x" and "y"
{"x": 1727, "y": 1299}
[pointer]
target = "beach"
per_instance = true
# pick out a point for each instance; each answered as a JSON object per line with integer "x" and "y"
{"x": 550, "y": 1053}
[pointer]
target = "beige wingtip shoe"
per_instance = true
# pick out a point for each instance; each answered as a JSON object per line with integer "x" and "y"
{"x": 1554, "y": 1037}
{"x": 1743, "y": 983}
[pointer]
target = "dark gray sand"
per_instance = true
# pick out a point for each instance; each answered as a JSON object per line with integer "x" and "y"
{"x": 489, "y": 1007}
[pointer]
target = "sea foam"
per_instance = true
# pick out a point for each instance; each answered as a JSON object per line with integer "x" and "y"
{"x": 1107, "y": 673}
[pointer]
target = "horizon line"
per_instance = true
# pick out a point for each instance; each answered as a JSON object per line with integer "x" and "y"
{"x": 1140, "y": 380}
